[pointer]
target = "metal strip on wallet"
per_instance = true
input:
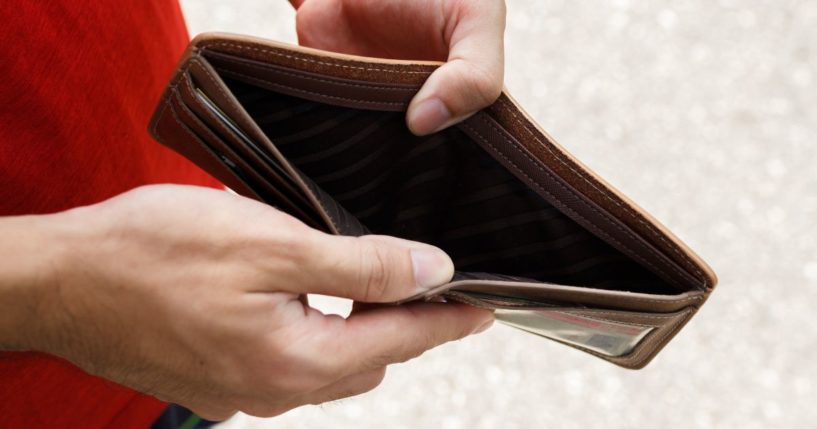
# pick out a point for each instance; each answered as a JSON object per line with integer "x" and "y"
{"x": 601, "y": 336}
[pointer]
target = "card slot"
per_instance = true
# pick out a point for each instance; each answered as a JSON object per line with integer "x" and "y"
{"x": 244, "y": 146}
{"x": 223, "y": 168}
{"x": 206, "y": 78}
{"x": 242, "y": 143}
{"x": 237, "y": 164}
{"x": 271, "y": 163}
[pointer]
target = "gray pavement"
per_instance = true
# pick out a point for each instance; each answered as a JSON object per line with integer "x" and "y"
{"x": 705, "y": 113}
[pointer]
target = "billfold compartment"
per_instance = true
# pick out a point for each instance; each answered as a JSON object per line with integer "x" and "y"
{"x": 526, "y": 242}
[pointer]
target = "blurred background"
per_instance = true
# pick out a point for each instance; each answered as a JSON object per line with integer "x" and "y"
{"x": 705, "y": 113}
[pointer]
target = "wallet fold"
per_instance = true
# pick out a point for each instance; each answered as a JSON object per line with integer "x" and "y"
{"x": 534, "y": 235}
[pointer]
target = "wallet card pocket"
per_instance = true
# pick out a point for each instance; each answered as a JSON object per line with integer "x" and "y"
{"x": 261, "y": 171}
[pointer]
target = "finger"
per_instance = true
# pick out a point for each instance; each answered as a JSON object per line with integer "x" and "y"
{"x": 472, "y": 77}
{"x": 296, "y": 3}
{"x": 387, "y": 335}
{"x": 351, "y": 385}
{"x": 371, "y": 268}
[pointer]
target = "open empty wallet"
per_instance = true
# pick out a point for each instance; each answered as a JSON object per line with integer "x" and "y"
{"x": 533, "y": 233}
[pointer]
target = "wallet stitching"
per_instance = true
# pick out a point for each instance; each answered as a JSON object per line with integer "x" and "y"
{"x": 559, "y": 156}
{"x": 299, "y": 57}
{"x": 264, "y": 67}
{"x": 233, "y": 104}
{"x": 319, "y": 94}
{"x": 601, "y": 231}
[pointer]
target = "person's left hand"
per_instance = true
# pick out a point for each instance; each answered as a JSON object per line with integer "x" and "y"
{"x": 467, "y": 34}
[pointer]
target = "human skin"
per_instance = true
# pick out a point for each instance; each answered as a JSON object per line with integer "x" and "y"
{"x": 197, "y": 296}
{"x": 466, "y": 34}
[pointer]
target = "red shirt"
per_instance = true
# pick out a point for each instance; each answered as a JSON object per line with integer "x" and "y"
{"x": 78, "y": 82}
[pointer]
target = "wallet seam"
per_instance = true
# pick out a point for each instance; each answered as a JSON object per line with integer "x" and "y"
{"x": 606, "y": 194}
{"x": 310, "y": 60}
{"x": 582, "y": 201}
{"x": 318, "y": 94}
{"x": 268, "y": 67}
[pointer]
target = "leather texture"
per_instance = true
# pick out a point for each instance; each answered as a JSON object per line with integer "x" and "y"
{"x": 532, "y": 231}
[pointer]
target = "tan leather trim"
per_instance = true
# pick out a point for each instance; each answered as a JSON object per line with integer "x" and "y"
{"x": 642, "y": 218}
{"x": 325, "y": 63}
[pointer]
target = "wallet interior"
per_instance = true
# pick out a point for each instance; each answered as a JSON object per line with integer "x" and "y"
{"x": 534, "y": 235}
{"x": 441, "y": 189}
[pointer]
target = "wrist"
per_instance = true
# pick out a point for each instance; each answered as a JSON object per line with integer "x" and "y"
{"x": 34, "y": 254}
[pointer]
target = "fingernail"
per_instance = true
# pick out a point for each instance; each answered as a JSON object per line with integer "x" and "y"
{"x": 431, "y": 268}
{"x": 485, "y": 326}
{"x": 429, "y": 116}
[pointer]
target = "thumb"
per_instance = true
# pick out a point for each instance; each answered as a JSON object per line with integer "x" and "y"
{"x": 374, "y": 268}
{"x": 472, "y": 77}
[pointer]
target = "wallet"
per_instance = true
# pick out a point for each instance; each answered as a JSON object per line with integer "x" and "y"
{"x": 535, "y": 235}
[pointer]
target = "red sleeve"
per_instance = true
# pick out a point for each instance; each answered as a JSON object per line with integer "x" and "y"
{"x": 79, "y": 82}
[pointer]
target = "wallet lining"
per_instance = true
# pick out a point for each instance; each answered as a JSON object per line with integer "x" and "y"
{"x": 442, "y": 189}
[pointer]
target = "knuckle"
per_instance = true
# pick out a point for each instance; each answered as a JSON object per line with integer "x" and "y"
{"x": 480, "y": 84}
{"x": 370, "y": 381}
{"x": 380, "y": 360}
{"x": 485, "y": 85}
{"x": 374, "y": 271}
{"x": 375, "y": 379}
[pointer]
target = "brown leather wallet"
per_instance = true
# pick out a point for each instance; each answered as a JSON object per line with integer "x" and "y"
{"x": 533, "y": 233}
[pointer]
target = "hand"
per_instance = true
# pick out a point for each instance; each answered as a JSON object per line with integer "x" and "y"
{"x": 197, "y": 296}
{"x": 468, "y": 34}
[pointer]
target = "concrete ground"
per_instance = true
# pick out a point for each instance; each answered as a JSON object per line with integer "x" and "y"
{"x": 704, "y": 112}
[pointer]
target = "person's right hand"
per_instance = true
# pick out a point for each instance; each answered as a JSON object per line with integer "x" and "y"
{"x": 196, "y": 296}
